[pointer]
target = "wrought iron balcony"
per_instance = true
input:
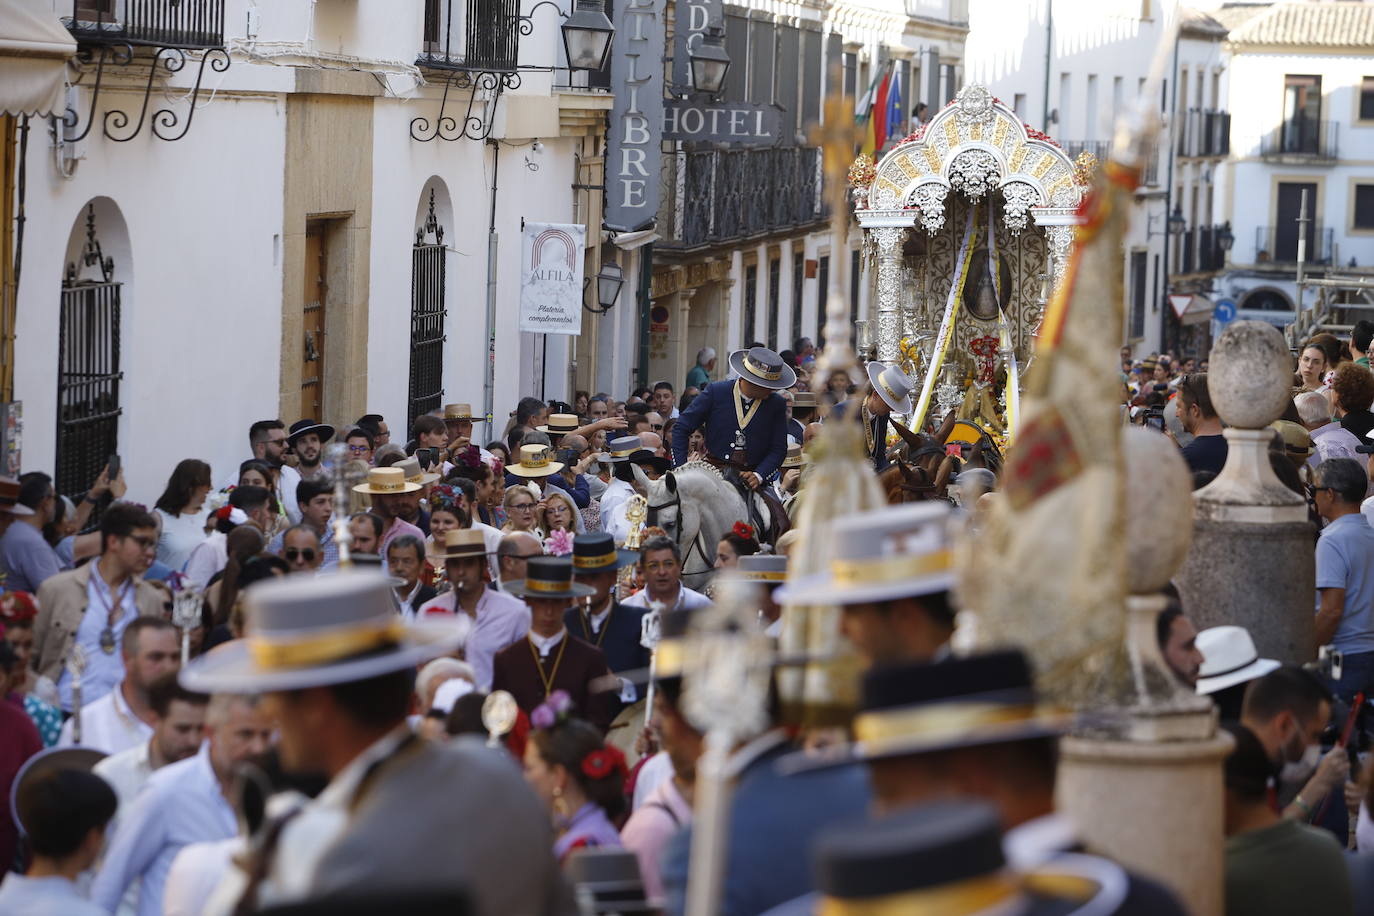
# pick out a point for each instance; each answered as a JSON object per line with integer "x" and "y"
{"x": 1200, "y": 132}
{"x": 162, "y": 23}
{"x": 1201, "y": 250}
{"x": 727, "y": 195}
{"x": 472, "y": 35}
{"x": 1301, "y": 138}
{"x": 1279, "y": 244}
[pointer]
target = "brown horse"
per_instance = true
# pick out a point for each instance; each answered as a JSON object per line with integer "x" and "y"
{"x": 924, "y": 473}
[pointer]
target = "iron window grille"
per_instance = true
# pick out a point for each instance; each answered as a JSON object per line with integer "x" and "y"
{"x": 427, "y": 313}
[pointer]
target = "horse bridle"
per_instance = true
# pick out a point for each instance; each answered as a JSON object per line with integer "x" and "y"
{"x": 696, "y": 541}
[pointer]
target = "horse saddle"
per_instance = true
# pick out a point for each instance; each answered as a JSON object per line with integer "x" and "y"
{"x": 771, "y": 528}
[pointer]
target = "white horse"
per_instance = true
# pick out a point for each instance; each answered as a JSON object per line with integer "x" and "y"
{"x": 696, "y": 506}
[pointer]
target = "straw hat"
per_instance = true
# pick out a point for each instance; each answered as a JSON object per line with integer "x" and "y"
{"x": 386, "y": 482}
{"x": 794, "y": 458}
{"x": 534, "y": 462}
{"x": 560, "y": 424}
{"x": 461, "y": 412}
{"x": 320, "y": 630}
{"x": 459, "y": 544}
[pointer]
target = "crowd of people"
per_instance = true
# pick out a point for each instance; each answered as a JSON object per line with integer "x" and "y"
{"x": 409, "y": 677}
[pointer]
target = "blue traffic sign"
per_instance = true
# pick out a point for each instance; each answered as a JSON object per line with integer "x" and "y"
{"x": 1225, "y": 312}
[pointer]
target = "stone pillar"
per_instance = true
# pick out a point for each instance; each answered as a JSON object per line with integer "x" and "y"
{"x": 888, "y": 329}
{"x": 1155, "y": 807}
{"x": 1252, "y": 562}
{"x": 1145, "y": 787}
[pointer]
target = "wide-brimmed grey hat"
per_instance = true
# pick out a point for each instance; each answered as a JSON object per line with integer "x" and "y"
{"x": 892, "y": 384}
{"x": 50, "y": 760}
{"x": 620, "y": 449}
{"x": 315, "y": 631}
{"x": 763, "y": 367}
{"x": 881, "y": 555}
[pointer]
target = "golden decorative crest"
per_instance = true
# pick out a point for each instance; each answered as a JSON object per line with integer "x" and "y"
{"x": 862, "y": 172}
{"x": 1084, "y": 167}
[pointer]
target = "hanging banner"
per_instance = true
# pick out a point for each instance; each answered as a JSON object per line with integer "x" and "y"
{"x": 635, "y": 134}
{"x": 551, "y": 258}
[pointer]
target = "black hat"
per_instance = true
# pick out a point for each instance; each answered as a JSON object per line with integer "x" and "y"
{"x": 301, "y": 427}
{"x": 909, "y": 709}
{"x": 945, "y": 857}
{"x": 646, "y": 457}
{"x": 595, "y": 552}
{"x": 549, "y": 577}
{"x": 763, "y": 367}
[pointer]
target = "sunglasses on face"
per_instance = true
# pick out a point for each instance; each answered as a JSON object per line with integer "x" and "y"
{"x": 295, "y": 553}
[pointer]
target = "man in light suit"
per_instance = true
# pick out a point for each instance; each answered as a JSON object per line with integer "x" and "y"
{"x": 743, "y": 421}
{"x": 404, "y": 824}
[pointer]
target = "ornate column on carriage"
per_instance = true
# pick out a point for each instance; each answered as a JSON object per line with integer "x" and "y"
{"x": 996, "y": 201}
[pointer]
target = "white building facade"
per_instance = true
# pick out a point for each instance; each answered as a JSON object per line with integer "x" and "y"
{"x": 1070, "y": 67}
{"x": 1302, "y": 93}
{"x": 306, "y": 234}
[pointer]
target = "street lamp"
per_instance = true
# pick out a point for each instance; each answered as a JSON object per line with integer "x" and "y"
{"x": 1225, "y": 237}
{"x": 608, "y": 284}
{"x": 709, "y": 61}
{"x": 587, "y": 36}
{"x": 1176, "y": 221}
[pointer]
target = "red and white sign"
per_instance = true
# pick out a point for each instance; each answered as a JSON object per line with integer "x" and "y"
{"x": 1181, "y": 303}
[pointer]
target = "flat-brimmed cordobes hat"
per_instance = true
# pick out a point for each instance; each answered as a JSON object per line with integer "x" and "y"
{"x": 763, "y": 367}
{"x": 549, "y": 577}
{"x": 560, "y": 424}
{"x": 461, "y": 412}
{"x": 302, "y": 427}
{"x": 535, "y": 462}
{"x": 459, "y": 544}
{"x": 386, "y": 482}
{"x": 595, "y": 552}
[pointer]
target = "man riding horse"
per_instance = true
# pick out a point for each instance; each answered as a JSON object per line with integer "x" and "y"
{"x": 743, "y": 421}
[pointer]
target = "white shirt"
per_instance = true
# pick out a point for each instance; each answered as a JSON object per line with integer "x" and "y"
{"x": 195, "y": 874}
{"x": 108, "y": 725}
{"x": 501, "y": 620}
{"x": 127, "y": 772}
{"x": 309, "y": 835}
{"x": 407, "y": 604}
{"x": 287, "y": 480}
{"x": 181, "y": 804}
{"x": 687, "y": 600}
{"x": 208, "y": 558}
{"x": 617, "y": 491}
{"x": 546, "y": 644}
{"x": 51, "y": 896}
{"x": 180, "y": 535}
{"x": 104, "y": 670}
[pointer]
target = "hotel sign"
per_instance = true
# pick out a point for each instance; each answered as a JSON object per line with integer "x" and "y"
{"x": 741, "y": 123}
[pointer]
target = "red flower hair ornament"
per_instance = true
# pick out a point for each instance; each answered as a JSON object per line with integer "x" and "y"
{"x": 602, "y": 762}
{"x": 743, "y": 530}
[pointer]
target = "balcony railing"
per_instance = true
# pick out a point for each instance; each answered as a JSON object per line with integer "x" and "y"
{"x": 1202, "y": 132}
{"x": 1301, "y": 138}
{"x": 163, "y": 23}
{"x": 1099, "y": 148}
{"x": 1149, "y": 169}
{"x": 1280, "y": 245}
{"x": 1200, "y": 250}
{"x": 481, "y": 35}
{"x": 725, "y": 195}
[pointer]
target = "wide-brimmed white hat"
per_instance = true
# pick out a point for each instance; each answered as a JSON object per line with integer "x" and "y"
{"x": 892, "y": 384}
{"x": 881, "y": 555}
{"x": 763, "y": 367}
{"x": 1229, "y": 657}
{"x": 386, "y": 482}
{"x": 535, "y": 462}
{"x": 315, "y": 631}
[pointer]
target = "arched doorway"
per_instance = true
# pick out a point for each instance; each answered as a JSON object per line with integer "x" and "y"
{"x": 428, "y": 282}
{"x": 89, "y": 371}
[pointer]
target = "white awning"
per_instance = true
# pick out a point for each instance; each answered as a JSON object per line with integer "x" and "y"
{"x": 34, "y": 50}
{"x": 1199, "y": 310}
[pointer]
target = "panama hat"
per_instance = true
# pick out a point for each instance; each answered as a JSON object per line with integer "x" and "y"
{"x": 461, "y": 412}
{"x": 1229, "y": 657}
{"x": 302, "y": 427}
{"x": 320, "y": 630}
{"x": 621, "y": 449}
{"x": 804, "y": 401}
{"x": 414, "y": 473}
{"x": 794, "y": 458}
{"x": 548, "y": 577}
{"x": 560, "y": 424}
{"x": 892, "y": 385}
{"x": 386, "y": 482}
{"x": 881, "y": 555}
{"x": 459, "y": 544}
{"x": 763, "y": 367}
{"x": 534, "y": 462}
{"x": 595, "y": 552}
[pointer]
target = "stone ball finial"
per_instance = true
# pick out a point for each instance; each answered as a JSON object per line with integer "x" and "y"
{"x": 1250, "y": 374}
{"x": 1159, "y": 495}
